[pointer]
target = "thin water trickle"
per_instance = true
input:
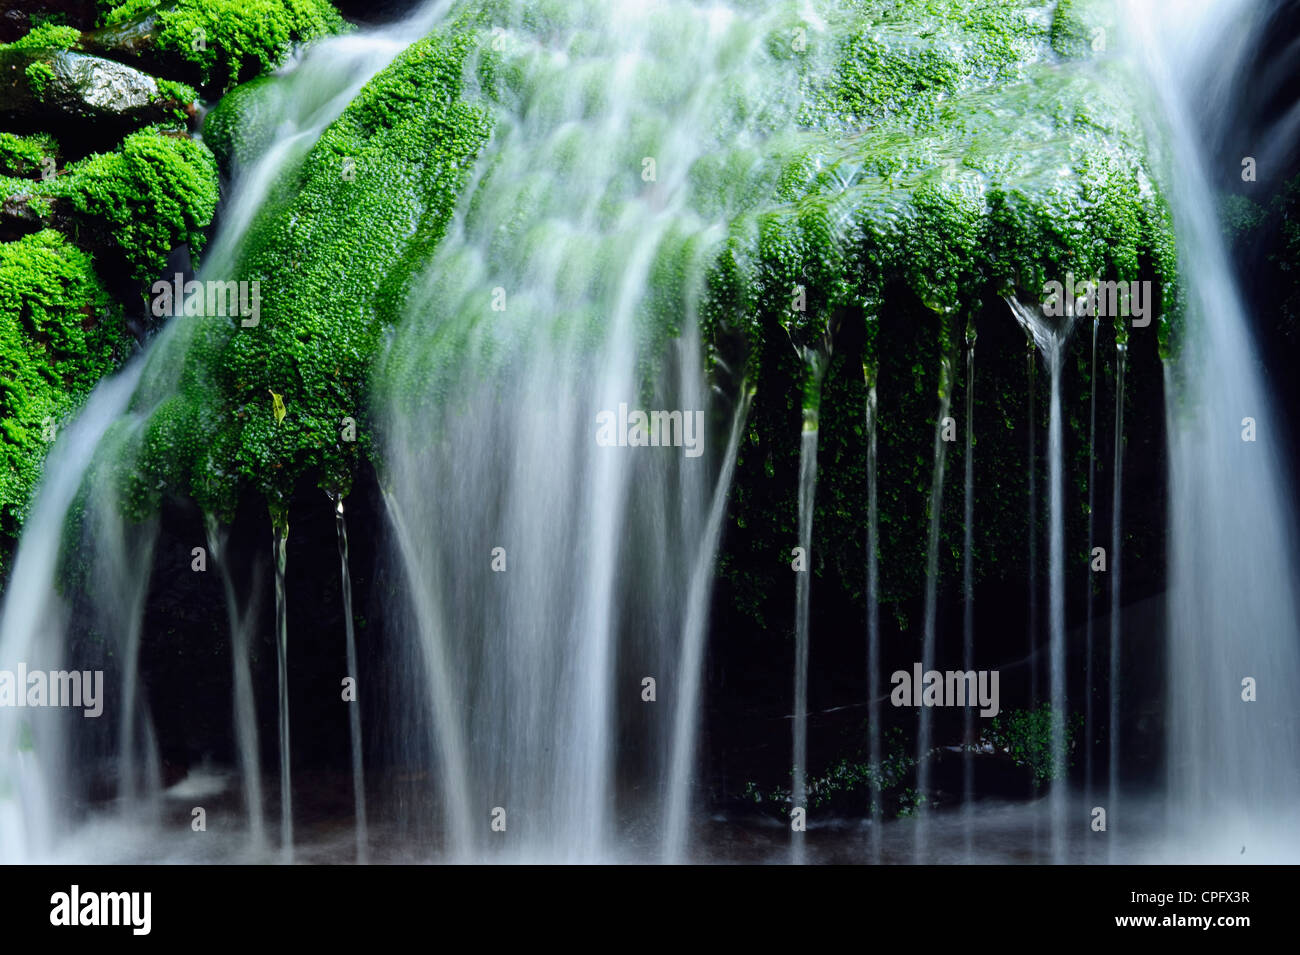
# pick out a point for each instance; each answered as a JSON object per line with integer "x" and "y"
{"x": 245, "y": 708}
{"x": 690, "y": 665}
{"x": 1050, "y": 337}
{"x": 279, "y": 544}
{"x": 803, "y": 602}
{"x": 1113, "y": 817}
{"x": 968, "y": 594}
{"x": 925, "y": 733}
{"x": 876, "y": 750}
{"x": 354, "y": 705}
{"x": 1089, "y": 734}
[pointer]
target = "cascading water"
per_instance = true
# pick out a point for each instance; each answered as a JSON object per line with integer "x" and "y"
{"x": 1088, "y": 728}
{"x": 686, "y": 712}
{"x": 968, "y": 591}
{"x": 554, "y": 563}
{"x": 525, "y": 508}
{"x": 1050, "y": 337}
{"x": 1116, "y": 611}
{"x": 279, "y": 545}
{"x": 354, "y": 712}
{"x": 803, "y": 600}
{"x": 925, "y": 730}
{"x": 30, "y": 746}
{"x": 245, "y": 708}
{"x": 308, "y": 96}
{"x": 1232, "y": 765}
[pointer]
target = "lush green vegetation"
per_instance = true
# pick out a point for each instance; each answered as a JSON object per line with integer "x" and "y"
{"x": 59, "y": 334}
{"x": 219, "y": 43}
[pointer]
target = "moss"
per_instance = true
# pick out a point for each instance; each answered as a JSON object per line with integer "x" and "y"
{"x": 40, "y": 76}
{"x": 24, "y": 156}
{"x": 45, "y": 36}
{"x": 182, "y": 95}
{"x": 59, "y": 334}
{"x": 1083, "y": 28}
{"x": 895, "y": 60}
{"x": 241, "y": 125}
{"x": 220, "y": 43}
{"x": 332, "y": 250}
{"x": 154, "y": 193}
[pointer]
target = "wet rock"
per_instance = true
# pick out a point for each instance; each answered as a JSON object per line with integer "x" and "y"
{"x": 84, "y": 100}
{"x": 17, "y": 15}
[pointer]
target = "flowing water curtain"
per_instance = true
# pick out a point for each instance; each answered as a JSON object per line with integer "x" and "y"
{"x": 566, "y": 290}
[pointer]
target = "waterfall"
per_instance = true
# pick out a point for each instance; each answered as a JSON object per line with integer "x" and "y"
{"x": 968, "y": 594}
{"x": 443, "y": 699}
{"x": 552, "y": 552}
{"x": 1056, "y": 601}
{"x": 875, "y": 751}
{"x": 1088, "y": 728}
{"x": 32, "y": 741}
{"x": 686, "y": 710}
{"x": 245, "y": 706}
{"x": 803, "y": 600}
{"x": 1116, "y": 611}
{"x": 354, "y": 707}
{"x": 279, "y": 543}
{"x": 1050, "y": 338}
{"x": 925, "y": 733}
{"x": 1233, "y": 765}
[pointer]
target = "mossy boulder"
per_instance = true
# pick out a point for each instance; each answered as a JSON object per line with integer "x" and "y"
{"x": 59, "y": 334}
{"x": 213, "y": 44}
{"x": 80, "y": 98}
{"x": 332, "y": 249}
{"x": 157, "y": 191}
{"x": 947, "y": 150}
{"x": 27, "y": 157}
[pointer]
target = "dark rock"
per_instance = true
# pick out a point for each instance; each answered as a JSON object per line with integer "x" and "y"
{"x": 85, "y": 101}
{"x": 16, "y": 17}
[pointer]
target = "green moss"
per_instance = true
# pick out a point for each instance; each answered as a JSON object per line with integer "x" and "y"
{"x": 1083, "y": 28}
{"x": 900, "y": 59}
{"x": 45, "y": 36}
{"x": 24, "y": 156}
{"x": 39, "y": 77}
{"x": 155, "y": 192}
{"x": 224, "y": 42}
{"x": 333, "y": 250}
{"x": 241, "y": 125}
{"x": 59, "y": 334}
{"x": 1026, "y": 736}
{"x": 182, "y": 95}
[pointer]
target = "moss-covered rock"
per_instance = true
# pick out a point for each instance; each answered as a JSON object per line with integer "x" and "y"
{"x": 140, "y": 201}
{"x": 59, "y": 334}
{"x": 27, "y": 156}
{"x": 81, "y": 98}
{"x": 214, "y": 44}
{"x": 332, "y": 250}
